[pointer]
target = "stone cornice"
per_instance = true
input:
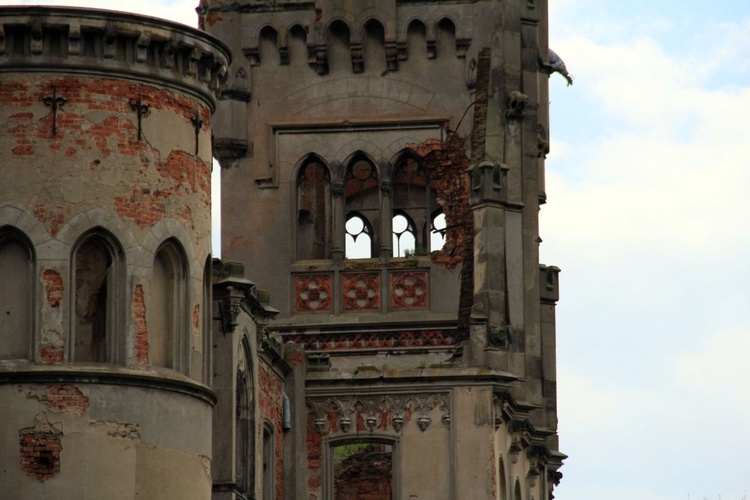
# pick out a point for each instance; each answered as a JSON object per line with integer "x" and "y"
{"x": 106, "y": 374}
{"x": 111, "y": 44}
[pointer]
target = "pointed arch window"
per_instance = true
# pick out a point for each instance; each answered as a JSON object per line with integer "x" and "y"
{"x": 358, "y": 237}
{"x": 244, "y": 422}
{"x": 404, "y": 236}
{"x": 167, "y": 333}
{"x": 414, "y": 198}
{"x": 313, "y": 211}
{"x": 361, "y": 204}
{"x": 16, "y": 302}
{"x": 437, "y": 230}
{"x": 98, "y": 264}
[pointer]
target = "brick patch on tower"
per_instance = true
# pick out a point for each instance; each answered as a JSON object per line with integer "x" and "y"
{"x": 66, "y": 399}
{"x": 40, "y": 448}
{"x": 54, "y": 286}
{"x": 141, "y": 328}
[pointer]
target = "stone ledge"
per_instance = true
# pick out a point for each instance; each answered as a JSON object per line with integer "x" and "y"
{"x": 167, "y": 380}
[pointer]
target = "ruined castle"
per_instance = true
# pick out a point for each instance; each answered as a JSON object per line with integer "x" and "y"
{"x": 379, "y": 326}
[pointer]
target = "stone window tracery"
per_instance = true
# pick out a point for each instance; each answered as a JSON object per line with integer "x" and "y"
{"x": 361, "y": 202}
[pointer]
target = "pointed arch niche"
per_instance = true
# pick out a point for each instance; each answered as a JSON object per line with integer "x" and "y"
{"x": 98, "y": 267}
{"x": 17, "y": 267}
{"x": 168, "y": 340}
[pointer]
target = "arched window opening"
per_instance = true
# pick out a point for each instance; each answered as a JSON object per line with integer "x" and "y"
{"x": 96, "y": 280}
{"x": 502, "y": 484}
{"x": 404, "y": 236}
{"x": 298, "y": 52}
{"x": 268, "y": 47}
{"x": 206, "y": 323}
{"x": 358, "y": 240}
{"x": 313, "y": 212}
{"x": 437, "y": 230}
{"x": 414, "y": 196}
{"x": 16, "y": 301}
{"x": 518, "y": 495}
{"x": 374, "y": 48}
{"x": 416, "y": 36}
{"x": 269, "y": 463}
{"x": 169, "y": 305}
{"x": 362, "y": 469}
{"x": 362, "y": 201}
{"x": 446, "y": 38}
{"x": 244, "y": 425}
{"x": 339, "y": 51}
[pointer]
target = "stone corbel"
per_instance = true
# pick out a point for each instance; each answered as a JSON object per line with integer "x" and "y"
{"x": 141, "y": 47}
{"x": 462, "y": 46}
{"x": 192, "y": 66}
{"x": 37, "y": 37}
{"x": 431, "y": 48}
{"x": 110, "y": 43}
{"x": 358, "y": 62}
{"x": 391, "y": 56}
{"x": 230, "y": 291}
{"x": 402, "y": 49}
{"x": 74, "y": 40}
{"x": 2, "y": 40}
{"x": 321, "y": 59}
{"x": 284, "y": 55}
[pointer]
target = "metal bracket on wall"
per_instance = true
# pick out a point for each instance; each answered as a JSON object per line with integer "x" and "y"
{"x": 142, "y": 111}
{"x": 54, "y": 102}
{"x": 197, "y": 125}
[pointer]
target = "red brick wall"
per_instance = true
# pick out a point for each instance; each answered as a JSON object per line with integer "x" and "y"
{"x": 271, "y": 403}
{"x": 161, "y": 184}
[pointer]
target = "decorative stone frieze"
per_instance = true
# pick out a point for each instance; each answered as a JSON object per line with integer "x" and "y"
{"x": 313, "y": 293}
{"x": 409, "y": 290}
{"x": 361, "y": 291}
{"x": 115, "y": 44}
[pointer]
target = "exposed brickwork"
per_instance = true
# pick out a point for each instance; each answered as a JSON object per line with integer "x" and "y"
{"x": 95, "y": 123}
{"x": 66, "y": 399}
{"x": 53, "y": 284}
{"x": 40, "y": 448}
{"x": 271, "y": 403}
{"x": 51, "y": 354}
{"x": 365, "y": 475}
{"x": 141, "y": 328}
{"x": 118, "y": 430}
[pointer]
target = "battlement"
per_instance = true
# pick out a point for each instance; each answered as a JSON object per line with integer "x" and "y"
{"x": 96, "y": 43}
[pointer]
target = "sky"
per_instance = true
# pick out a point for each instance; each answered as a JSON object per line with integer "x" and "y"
{"x": 647, "y": 217}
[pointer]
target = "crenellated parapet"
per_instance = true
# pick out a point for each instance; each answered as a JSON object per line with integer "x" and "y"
{"x": 95, "y": 43}
{"x": 317, "y": 25}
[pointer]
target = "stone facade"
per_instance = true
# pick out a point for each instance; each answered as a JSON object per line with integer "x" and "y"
{"x": 382, "y": 172}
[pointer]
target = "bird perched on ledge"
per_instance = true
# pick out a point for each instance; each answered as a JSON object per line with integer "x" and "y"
{"x": 556, "y": 65}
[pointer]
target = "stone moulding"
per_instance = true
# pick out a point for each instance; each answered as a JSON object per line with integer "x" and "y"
{"x": 108, "y": 375}
{"x": 114, "y": 44}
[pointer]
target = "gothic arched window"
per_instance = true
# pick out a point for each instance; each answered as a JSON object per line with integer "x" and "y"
{"x": 16, "y": 301}
{"x": 167, "y": 332}
{"x": 414, "y": 198}
{"x": 361, "y": 204}
{"x": 98, "y": 297}
{"x": 313, "y": 211}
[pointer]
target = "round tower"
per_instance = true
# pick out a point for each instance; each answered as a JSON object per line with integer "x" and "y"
{"x": 105, "y": 241}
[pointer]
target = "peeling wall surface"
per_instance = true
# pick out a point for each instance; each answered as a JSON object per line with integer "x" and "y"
{"x": 105, "y": 142}
{"x": 440, "y": 358}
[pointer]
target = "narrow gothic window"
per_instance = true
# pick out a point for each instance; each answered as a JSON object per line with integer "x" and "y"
{"x": 361, "y": 204}
{"x": 358, "y": 238}
{"x": 16, "y": 267}
{"x": 269, "y": 463}
{"x": 414, "y": 198}
{"x": 313, "y": 212}
{"x": 244, "y": 424}
{"x": 96, "y": 283}
{"x": 404, "y": 236}
{"x": 169, "y": 304}
{"x": 437, "y": 230}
